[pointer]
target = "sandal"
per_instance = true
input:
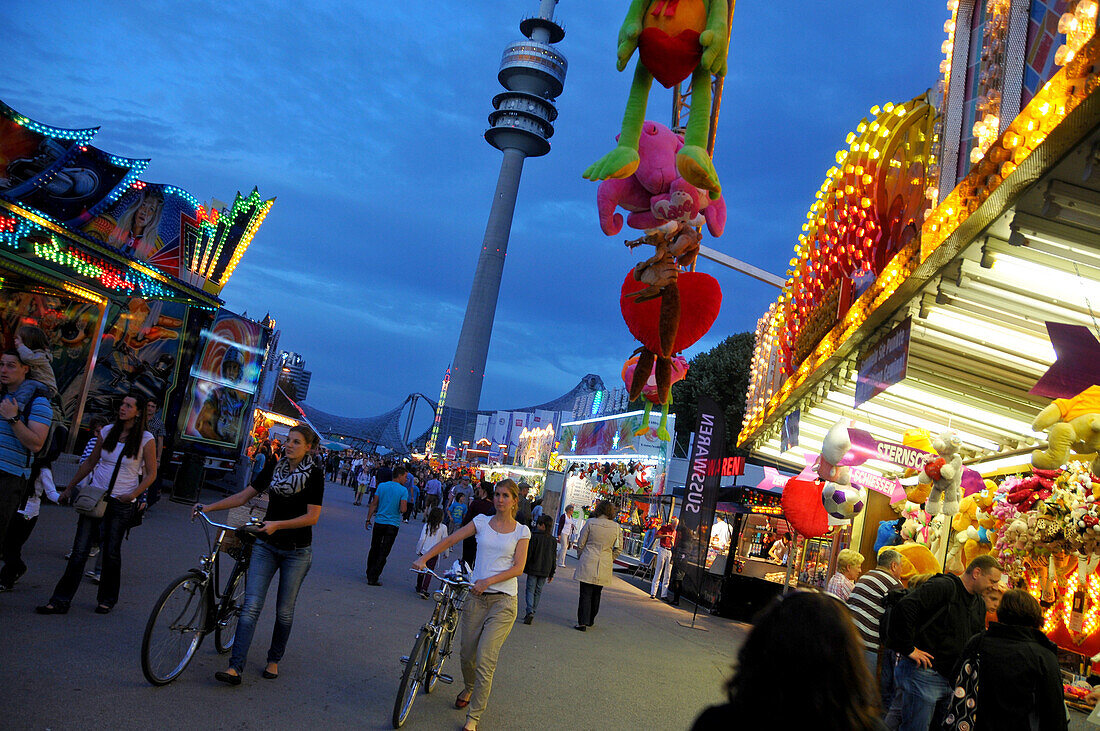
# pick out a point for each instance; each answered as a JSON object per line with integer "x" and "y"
{"x": 51, "y": 609}
{"x": 461, "y": 702}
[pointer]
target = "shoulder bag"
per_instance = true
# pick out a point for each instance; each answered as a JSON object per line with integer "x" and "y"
{"x": 962, "y": 713}
{"x": 92, "y": 500}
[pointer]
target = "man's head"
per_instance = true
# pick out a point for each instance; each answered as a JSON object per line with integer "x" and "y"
{"x": 399, "y": 473}
{"x": 150, "y": 409}
{"x": 524, "y": 488}
{"x": 981, "y": 574}
{"x": 13, "y": 371}
{"x": 890, "y": 562}
{"x": 544, "y": 523}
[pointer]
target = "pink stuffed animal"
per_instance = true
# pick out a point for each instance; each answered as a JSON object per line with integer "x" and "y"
{"x": 655, "y": 193}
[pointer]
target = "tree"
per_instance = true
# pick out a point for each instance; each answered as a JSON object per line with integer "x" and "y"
{"x": 723, "y": 374}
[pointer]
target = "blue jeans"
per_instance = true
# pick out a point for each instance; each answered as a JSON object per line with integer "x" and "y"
{"x": 884, "y": 661}
{"x": 88, "y": 533}
{"x": 925, "y": 694}
{"x": 534, "y": 591}
{"x": 292, "y": 565}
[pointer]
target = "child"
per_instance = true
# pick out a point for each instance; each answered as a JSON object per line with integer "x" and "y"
{"x": 457, "y": 511}
{"x": 432, "y": 533}
{"x": 542, "y": 554}
{"x": 34, "y": 351}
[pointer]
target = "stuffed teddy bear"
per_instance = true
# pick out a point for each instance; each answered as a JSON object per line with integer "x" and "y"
{"x": 656, "y": 193}
{"x": 1072, "y": 423}
{"x": 944, "y": 474}
{"x": 971, "y": 538}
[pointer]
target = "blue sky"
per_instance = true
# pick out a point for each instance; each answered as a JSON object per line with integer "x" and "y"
{"x": 365, "y": 121}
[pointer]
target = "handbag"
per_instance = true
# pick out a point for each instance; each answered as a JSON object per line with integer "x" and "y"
{"x": 92, "y": 500}
{"x": 962, "y": 713}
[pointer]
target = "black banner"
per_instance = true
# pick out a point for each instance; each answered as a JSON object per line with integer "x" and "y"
{"x": 700, "y": 496}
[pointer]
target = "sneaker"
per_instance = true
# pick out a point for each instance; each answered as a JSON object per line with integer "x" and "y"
{"x": 93, "y": 576}
{"x": 93, "y": 552}
{"x": 528, "y": 619}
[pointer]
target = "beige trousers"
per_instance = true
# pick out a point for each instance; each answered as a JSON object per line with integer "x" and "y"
{"x": 486, "y": 622}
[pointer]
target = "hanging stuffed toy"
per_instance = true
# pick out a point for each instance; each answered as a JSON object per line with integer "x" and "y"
{"x": 649, "y": 392}
{"x": 675, "y": 39}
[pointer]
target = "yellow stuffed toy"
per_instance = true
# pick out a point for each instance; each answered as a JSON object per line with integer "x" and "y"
{"x": 918, "y": 439}
{"x": 972, "y": 531}
{"x": 915, "y": 559}
{"x": 1072, "y": 423}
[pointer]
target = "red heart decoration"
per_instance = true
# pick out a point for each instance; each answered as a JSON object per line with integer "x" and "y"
{"x": 803, "y": 509}
{"x": 670, "y": 59}
{"x": 700, "y": 301}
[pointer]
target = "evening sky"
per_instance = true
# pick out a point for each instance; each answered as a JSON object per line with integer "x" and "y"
{"x": 365, "y": 121}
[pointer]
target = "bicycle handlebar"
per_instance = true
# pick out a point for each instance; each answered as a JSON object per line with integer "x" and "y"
{"x": 246, "y": 527}
{"x": 454, "y": 582}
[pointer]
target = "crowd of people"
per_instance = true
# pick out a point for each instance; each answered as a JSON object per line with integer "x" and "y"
{"x": 869, "y": 653}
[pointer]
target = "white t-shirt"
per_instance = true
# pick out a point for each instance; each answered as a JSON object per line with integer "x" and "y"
{"x": 496, "y": 552}
{"x": 129, "y": 474}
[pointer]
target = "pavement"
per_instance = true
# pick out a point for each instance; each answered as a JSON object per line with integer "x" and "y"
{"x": 637, "y": 668}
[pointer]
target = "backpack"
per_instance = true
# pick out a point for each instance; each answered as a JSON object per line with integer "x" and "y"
{"x": 48, "y": 443}
{"x": 891, "y": 600}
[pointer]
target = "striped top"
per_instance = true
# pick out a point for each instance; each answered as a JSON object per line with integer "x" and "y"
{"x": 866, "y": 603}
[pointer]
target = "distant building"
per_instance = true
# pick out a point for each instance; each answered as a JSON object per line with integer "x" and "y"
{"x": 293, "y": 371}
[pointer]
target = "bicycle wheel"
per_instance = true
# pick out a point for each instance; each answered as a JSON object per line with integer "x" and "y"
{"x": 175, "y": 629}
{"x": 413, "y": 676}
{"x": 229, "y": 611}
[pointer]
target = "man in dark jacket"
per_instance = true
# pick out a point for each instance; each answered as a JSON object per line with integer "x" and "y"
{"x": 523, "y": 512}
{"x": 542, "y": 555}
{"x": 929, "y": 629}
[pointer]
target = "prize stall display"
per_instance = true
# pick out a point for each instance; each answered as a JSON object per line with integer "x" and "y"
{"x": 621, "y": 458}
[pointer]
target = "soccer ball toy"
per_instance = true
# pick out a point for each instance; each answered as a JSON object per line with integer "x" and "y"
{"x": 843, "y": 502}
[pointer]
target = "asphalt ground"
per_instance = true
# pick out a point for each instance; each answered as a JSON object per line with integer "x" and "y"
{"x": 638, "y": 668}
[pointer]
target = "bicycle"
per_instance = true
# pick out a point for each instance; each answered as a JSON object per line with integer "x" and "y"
{"x": 432, "y": 646}
{"x": 191, "y": 607}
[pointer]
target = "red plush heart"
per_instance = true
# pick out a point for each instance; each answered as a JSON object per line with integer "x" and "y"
{"x": 700, "y": 301}
{"x": 670, "y": 59}
{"x": 932, "y": 469}
{"x": 803, "y": 509}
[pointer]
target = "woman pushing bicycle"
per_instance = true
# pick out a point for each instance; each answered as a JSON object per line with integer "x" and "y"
{"x": 284, "y": 544}
{"x": 489, "y": 614}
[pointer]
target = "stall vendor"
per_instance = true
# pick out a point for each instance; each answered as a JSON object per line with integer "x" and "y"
{"x": 779, "y": 550}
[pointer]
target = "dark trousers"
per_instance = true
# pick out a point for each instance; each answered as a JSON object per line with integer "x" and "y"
{"x": 380, "y": 544}
{"x": 152, "y": 495}
{"x": 469, "y": 551}
{"x": 423, "y": 581}
{"x": 19, "y": 530}
{"x": 12, "y": 490}
{"x": 589, "y": 604}
{"x": 114, "y": 522}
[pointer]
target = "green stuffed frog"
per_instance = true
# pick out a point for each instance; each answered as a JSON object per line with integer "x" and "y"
{"x": 674, "y": 39}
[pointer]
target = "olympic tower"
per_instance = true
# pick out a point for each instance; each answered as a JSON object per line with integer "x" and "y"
{"x": 533, "y": 72}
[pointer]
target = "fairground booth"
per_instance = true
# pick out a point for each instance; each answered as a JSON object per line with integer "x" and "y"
{"x": 619, "y": 458}
{"x": 932, "y": 362}
{"x": 123, "y": 277}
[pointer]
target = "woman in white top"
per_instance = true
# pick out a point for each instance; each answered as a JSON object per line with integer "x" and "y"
{"x": 125, "y": 440}
{"x": 488, "y": 616}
